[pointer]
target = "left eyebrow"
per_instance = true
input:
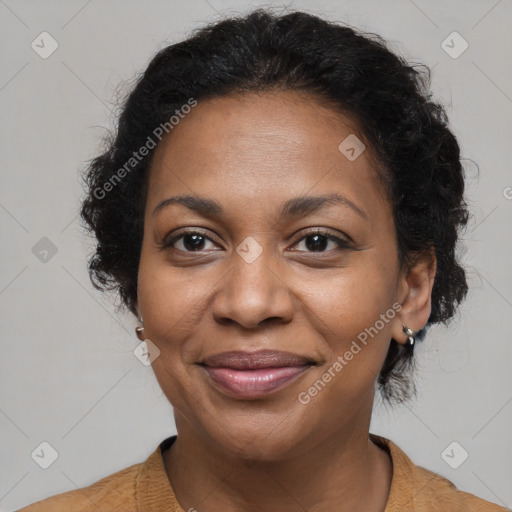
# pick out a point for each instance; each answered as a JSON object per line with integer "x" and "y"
{"x": 299, "y": 206}
{"x": 309, "y": 204}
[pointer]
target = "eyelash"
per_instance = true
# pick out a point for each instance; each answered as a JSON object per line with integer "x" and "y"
{"x": 342, "y": 244}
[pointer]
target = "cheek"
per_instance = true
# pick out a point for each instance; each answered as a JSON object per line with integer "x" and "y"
{"x": 166, "y": 303}
{"x": 357, "y": 341}
{"x": 353, "y": 311}
{"x": 170, "y": 303}
{"x": 348, "y": 302}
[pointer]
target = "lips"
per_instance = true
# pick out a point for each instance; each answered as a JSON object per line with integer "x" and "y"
{"x": 255, "y": 360}
{"x": 250, "y": 375}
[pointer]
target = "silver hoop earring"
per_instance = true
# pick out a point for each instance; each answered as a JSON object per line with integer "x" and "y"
{"x": 138, "y": 331}
{"x": 410, "y": 335}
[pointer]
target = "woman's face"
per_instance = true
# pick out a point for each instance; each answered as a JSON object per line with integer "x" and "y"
{"x": 258, "y": 172}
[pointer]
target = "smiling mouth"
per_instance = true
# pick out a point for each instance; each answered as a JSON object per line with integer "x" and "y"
{"x": 251, "y": 375}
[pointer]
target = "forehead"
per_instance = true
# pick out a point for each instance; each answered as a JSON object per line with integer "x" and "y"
{"x": 266, "y": 146}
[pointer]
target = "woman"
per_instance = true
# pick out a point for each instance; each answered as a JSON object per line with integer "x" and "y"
{"x": 280, "y": 208}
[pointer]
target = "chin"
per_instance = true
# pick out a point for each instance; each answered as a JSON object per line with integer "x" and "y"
{"x": 257, "y": 442}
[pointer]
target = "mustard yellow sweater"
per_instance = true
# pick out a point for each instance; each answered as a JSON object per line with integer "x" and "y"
{"x": 145, "y": 487}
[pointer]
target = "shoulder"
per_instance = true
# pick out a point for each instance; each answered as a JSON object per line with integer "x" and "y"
{"x": 143, "y": 486}
{"x": 434, "y": 490}
{"x": 115, "y": 493}
{"x": 417, "y": 489}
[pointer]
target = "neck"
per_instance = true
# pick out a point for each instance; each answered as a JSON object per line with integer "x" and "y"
{"x": 344, "y": 472}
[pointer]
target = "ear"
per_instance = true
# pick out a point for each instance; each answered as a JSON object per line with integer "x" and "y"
{"x": 415, "y": 296}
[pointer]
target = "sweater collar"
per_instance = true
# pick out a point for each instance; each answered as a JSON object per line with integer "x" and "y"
{"x": 401, "y": 496}
{"x": 153, "y": 490}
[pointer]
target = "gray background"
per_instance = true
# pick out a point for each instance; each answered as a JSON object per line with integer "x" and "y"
{"x": 68, "y": 375}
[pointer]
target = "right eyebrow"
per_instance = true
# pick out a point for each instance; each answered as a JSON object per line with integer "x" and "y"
{"x": 207, "y": 207}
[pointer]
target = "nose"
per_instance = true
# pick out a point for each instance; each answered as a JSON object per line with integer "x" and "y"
{"x": 252, "y": 295}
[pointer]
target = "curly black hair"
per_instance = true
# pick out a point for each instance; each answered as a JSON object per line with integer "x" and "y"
{"x": 418, "y": 156}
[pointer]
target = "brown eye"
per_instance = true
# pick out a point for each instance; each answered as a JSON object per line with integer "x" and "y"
{"x": 321, "y": 241}
{"x": 189, "y": 241}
